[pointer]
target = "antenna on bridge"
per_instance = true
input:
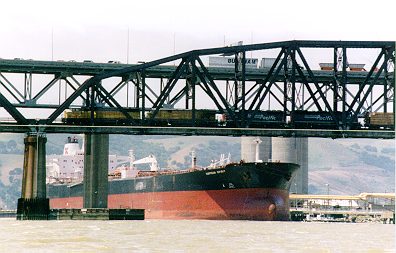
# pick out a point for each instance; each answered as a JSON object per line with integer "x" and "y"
{"x": 239, "y": 43}
{"x": 128, "y": 47}
{"x": 174, "y": 47}
{"x": 52, "y": 44}
{"x": 251, "y": 42}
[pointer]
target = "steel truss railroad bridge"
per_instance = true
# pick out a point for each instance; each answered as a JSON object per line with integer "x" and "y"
{"x": 184, "y": 82}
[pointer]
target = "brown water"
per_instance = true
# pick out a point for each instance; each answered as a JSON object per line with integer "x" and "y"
{"x": 193, "y": 236}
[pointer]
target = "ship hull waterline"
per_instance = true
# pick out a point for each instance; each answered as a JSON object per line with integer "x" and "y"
{"x": 232, "y": 204}
{"x": 248, "y": 191}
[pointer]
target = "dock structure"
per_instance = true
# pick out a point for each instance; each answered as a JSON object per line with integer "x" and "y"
{"x": 96, "y": 214}
{"x": 365, "y": 207}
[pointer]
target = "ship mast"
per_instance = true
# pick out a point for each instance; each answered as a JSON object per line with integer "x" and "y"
{"x": 131, "y": 156}
{"x": 193, "y": 159}
{"x": 257, "y": 141}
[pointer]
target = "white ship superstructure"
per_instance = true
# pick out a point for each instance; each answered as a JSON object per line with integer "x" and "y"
{"x": 69, "y": 167}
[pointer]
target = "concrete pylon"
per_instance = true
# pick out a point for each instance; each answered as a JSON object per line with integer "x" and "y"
{"x": 293, "y": 150}
{"x": 96, "y": 162}
{"x": 33, "y": 203}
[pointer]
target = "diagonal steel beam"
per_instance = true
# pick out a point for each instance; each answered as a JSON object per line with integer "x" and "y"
{"x": 108, "y": 97}
{"x": 270, "y": 92}
{"x": 370, "y": 87}
{"x": 46, "y": 88}
{"x": 214, "y": 87}
{"x": 72, "y": 86}
{"x": 276, "y": 97}
{"x": 14, "y": 90}
{"x": 178, "y": 96}
{"x": 169, "y": 85}
{"x": 311, "y": 97}
{"x": 12, "y": 110}
{"x": 268, "y": 76}
{"x": 315, "y": 82}
{"x": 268, "y": 88}
{"x": 205, "y": 87}
{"x": 101, "y": 93}
{"x": 148, "y": 88}
{"x": 363, "y": 84}
{"x": 88, "y": 83}
{"x": 119, "y": 86}
{"x": 305, "y": 81}
{"x": 11, "y": 93}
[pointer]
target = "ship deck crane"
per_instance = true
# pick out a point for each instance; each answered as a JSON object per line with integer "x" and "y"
{"x": 148, "y": 160}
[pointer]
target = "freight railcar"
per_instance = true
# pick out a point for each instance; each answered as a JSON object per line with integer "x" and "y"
{"x": 164, "y": 117}
{"x": 380, "y": 120}
{"x": 259, "y": 119}
{"x": 182, "y": 117}
{"x": 322, "y": 120}
{"x": 266, "y": 119}
{"x": 100, "y": 116}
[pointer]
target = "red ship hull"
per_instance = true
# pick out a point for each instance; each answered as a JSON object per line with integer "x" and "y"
{"x": 231, "y": 204}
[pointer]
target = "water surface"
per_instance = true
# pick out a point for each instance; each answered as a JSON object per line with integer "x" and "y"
{"x": 194, "y": 236}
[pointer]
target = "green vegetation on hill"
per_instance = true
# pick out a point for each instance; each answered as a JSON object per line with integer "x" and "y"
{"x": 10, "y": 193}
{"x": 351, "y": 166}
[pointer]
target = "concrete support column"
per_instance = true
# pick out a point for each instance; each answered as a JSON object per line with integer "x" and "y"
{"x": 96, "y": 162}
{"x": 33, "y": 182}
{"x": 293, "y": 150}
{"x": 33, "y": 203}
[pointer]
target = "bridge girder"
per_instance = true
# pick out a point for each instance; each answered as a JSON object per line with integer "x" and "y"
{"x": 303, "y": 87}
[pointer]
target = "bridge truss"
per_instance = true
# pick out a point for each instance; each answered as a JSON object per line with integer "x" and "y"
{"x": 184, "y": 81}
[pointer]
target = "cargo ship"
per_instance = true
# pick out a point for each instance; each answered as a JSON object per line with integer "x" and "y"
{"x": 221, "y": 191}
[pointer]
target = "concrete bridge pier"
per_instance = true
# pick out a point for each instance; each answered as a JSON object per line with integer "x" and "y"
{"x": 34, "y": 204}
{"x": 96, "y": 163}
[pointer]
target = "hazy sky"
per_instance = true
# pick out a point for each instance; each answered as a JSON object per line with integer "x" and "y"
{"x": 98, "y": 30}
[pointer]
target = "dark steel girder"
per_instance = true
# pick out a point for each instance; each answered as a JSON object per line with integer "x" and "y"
{"x": 360, "y": 105}
{"x": 198, "y": 131}
{"x": 269, "y": 76}
{"x": 314, "y": 96}
{"x": 12, "y": 92}
{"x": 87, "y": 84}
{"x": 206, "y": 88}
{"x": 178, "y": 96}
{"x": 208, "y": 82}
{"x": 143, "y": 90}
{"x": 271, "y": 79}
{"x": 212, "y": 85}
{"x": 311, "y": 75}
{"x": 169, "y": 86}
{"x": 20, "y": 119}
{"x": 109, "y": 98}
{"x": 369, "y": 108}
{"x": 46, "y": 88}
{"x": 261, "y": 46}
{"x": 362, "y": 86}
{"x": 72, "y": 86}
{"x": 118, "y": 87}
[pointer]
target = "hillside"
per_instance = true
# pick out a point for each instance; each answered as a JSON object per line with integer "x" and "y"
{"x": 349, "y": 166}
